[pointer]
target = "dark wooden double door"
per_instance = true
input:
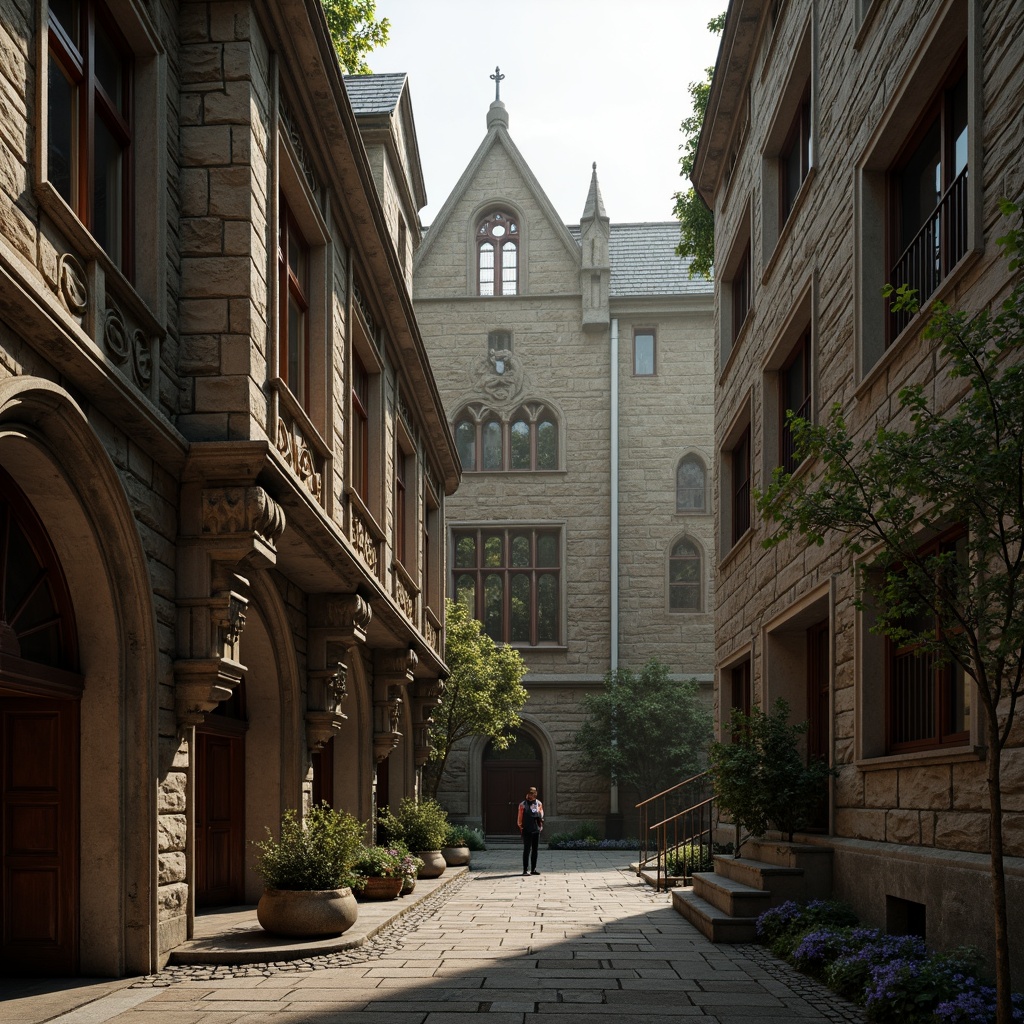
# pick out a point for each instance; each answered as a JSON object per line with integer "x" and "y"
{"x": 220, "y": 815}
{"x": 504, "y": 785}
{"x": 38, "y": 835}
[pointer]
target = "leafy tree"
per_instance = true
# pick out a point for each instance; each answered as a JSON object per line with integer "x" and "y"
{"x": 964, "y": 467}
{"x": 354, "y": 32}
{"x": 483, "y": 695}
{"x": 760, "y": 777}
{"x": 696, "y": 221}
{"x": 645, "y": 729}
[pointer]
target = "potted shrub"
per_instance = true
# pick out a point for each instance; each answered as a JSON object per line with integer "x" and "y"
{"x": 423, "y": 827}
{"x": 378, "y": 871}
{"x": 411, "y": 865}
{"x": 308, "y": 874}
{"x": 456, "y": 850}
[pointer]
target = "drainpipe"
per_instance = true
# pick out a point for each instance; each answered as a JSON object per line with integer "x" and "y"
{"x": 614, "y": 567}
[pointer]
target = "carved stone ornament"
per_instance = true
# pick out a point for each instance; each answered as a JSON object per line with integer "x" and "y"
{"x": 501, "y": 376}
{"x": 71, "y": 284}
{"x": 346, "y": 617}
{"x": 321, "y": 727}
{"x": 327, "y": 688}
{"x": 364, "y": 307}
{"x": 200, "y": 685}
{"x": 228, "y": 510}
{"x": 115, "y": 336}
{"x": 364, "y": 541}
{"x": 397, "y": 665}
{"x": 386, "y": 719}
{"x": 142, "y": 359}
{"x": 295, "y": 451}
{"x": 230, "y": 618}
{"x": 292, "y": 128}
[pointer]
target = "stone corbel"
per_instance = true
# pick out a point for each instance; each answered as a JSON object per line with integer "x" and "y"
{"x": 393, "y": 673}
{"x": 426, "y": 696}
{"x": 226, "y": 531}
{"x": 326, "y": 690}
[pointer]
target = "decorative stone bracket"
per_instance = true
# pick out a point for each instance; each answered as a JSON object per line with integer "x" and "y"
{"x": 337, "y": 623}
{"x": 225, "y": 532}
{"x": 426, "y": 695}
{"x": 393, "y": 674}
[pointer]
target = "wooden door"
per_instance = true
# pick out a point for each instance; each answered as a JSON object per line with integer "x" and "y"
{"x": 505, "y": 785}
{"x": 323, "y": 774}
{"x": 38, "y": 836}
{"x": 817, "y": 709}
{"x": 220, "y": 817}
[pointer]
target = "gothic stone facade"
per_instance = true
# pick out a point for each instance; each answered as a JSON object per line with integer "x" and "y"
{"x": 820, "y": 116}
{"x": 223, "y": 465}
{"x": 566, "y": 357}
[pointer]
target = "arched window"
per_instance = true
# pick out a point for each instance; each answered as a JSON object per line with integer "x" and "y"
{"x": 497, "y": 239}
{"x": 691, "y": 481}
{"x": 526, "y": 442}
{"x": 685, "y": 577}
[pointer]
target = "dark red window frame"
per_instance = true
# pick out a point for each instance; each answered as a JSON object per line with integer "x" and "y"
{"x": 293, "y": 267}
{"x": 401, "y": 505}
{"x": 360, "y": 429}
{"x": 74, "y": 56}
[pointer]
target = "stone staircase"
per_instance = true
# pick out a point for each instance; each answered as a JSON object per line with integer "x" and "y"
{"x": 725, "y": 904}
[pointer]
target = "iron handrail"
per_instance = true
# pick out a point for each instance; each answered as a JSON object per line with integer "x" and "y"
{"x": 696, "y": 840}
{"x": 677, "y": 794}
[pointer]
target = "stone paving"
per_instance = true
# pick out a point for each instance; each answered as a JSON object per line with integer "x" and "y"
{"x": 584, "y": 939}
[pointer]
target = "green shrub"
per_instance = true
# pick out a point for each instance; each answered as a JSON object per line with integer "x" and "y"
{"x": 684, "y": 860}
{"x": 314, "y": 854}
{"x": 463, "y": 835}
{"x": 421, "y": 826}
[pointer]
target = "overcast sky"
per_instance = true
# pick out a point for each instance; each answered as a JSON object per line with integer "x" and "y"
{"x": 586, "y": 80}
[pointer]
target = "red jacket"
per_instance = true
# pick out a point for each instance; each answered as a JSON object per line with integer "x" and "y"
{"x": 538, "y": 813}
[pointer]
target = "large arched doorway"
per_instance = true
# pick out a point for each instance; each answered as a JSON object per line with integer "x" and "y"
{"x": 507, "y": 774}
{"x": 40, "y": 694}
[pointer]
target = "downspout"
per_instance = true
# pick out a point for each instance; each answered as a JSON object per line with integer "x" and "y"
{"x": 614, "y": 568}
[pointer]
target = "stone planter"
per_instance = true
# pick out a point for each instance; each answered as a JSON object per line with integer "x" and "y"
{"x": 380, "y": 888}
{"x": 307, "y": 913}
{"x": 433, "y": 863}
{"x": 455, "y": 856}
{"x": 408, "y": 884}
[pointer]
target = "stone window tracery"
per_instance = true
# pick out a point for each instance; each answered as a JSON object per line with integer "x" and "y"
{"x": 497, "y": 237}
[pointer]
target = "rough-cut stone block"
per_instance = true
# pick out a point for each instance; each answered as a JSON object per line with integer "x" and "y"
{"x": 171, "y": 831}
{"x": 170, "y": 795}
{"x": 860, "y": 824}
{"x": 171, "y": 899}
{"x": 903, "y": 827}
{"x": 206, "y": 146}
{"x": 170, "y": 868}
{"x": 880, "y": 788}
{"x": 927, "y": 787}
{"x": 955, "y": 830}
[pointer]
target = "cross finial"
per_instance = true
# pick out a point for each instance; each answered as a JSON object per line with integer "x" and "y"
{"x": 497, "y": 79}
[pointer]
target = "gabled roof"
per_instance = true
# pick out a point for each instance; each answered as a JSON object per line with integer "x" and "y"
{"x": 497, "y": 135}
{"x": 644, "y": 262}
{"x": 375, "y": 94}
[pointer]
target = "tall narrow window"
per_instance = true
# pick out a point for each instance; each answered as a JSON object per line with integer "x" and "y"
{"x": 360, "y": 439}
{"x": 89, "y": 116}
{"x": 691, "y": 484}
{"x": 497, "y": 239}
{"x": 795, "y": 159}
{"x": 795, "y": 397}
{"x": 929, "y": 197}
{"x": 643, "y": 352}
{"x": 740, "y": 688}
{"x": 685, "y": 577}
{"x": 293, "y": 264}
{"x": 740, "y": 465}
{"x": 401, "y": 506}
{"x": 741, "y": 288}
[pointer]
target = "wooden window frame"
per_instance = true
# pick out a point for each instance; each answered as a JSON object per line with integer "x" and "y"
{"x": 292, "y": 288}
{"x": 798, "y": 142}
{"x": 787, "y": 458}
{"x": 360, "y": 454}
{"x": 507, "y": 572}
{"x": 944, "y": 706}
{"x": 500, "y": 285}
{"x": 741, "y": 459}
{"x": 77, "y": 63}
{"x": 683, "y": 586}
{"x": 741, "y": 286}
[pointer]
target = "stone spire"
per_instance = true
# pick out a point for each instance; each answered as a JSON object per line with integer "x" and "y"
{"x": 497, "y": 115}
{"x": 595, "y": 260}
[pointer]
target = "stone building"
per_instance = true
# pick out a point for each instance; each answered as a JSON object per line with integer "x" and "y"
{"x": 841, "y": 140}
{"x": 574, "y": 363}
{"x": 223, "y": 465}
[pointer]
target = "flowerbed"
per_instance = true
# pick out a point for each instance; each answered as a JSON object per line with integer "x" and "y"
{"x": 558, "y": 843}
{"x": 893, "y": 977}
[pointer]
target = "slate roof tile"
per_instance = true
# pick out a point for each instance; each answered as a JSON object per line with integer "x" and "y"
{"x": 375, "y": 94}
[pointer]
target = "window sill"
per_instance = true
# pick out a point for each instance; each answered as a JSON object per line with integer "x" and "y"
{"x": 742, "y": 542}
{"x": 466, "y": 473}
{"x": 405, "y": 576}
{"x": 299, "y": 414}
{"x": 920, "y": 758}
{"x": 689, "y": 512}
{"x": 915, "y": 328}
{"x": 527, "y": 648}
{"x": 368, "y": 518}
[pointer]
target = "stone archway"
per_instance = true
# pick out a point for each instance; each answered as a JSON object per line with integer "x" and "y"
{"x": 50, "y": 450}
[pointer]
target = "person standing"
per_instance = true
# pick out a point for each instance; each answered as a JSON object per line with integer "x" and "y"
{"x": 531, "y": 824}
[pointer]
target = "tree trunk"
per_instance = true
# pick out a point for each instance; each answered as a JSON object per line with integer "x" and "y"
{"x": 993, "y": 758}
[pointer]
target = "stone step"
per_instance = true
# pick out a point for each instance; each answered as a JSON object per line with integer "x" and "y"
{"x": 729, "y": 896}
{"x": 783, "y": 882}
{"x": 710, "y": 920}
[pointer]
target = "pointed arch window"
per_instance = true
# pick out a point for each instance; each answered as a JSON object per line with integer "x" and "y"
{"x": 497, "y": 239}
{"x": 685, "y": 577}
{"x": 691, "y": 484}
{"x": 527, "y": 441}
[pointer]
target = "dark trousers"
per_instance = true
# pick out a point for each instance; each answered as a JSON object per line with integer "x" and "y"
{"x": 531, "y": 841}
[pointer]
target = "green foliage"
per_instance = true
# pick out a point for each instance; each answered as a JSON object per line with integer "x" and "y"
{"x": 696, "y": 221}
{"x": 482, "y": 696}
{"x": 644, "y": 729}
{"x": 315, "y": 854}
{"x": 760, "y": 778}
{"x": 463, "y": 835}
{"x": 378, "y": 862}
{"x": 354, "y": 32}
{"x": 420, "y": 826}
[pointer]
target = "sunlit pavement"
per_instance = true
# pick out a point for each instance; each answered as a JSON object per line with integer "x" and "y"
{"x": 584, "y": 938}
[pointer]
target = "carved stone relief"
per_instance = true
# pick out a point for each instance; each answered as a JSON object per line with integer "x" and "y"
{"x": 71, "y": 284}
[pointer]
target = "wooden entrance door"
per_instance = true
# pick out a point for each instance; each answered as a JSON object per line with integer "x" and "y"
{"x": 505, "y": 785}
{"x": 817, "y": 708}
{"x": 220, "y": 817}
{"x": 38, "y": 836}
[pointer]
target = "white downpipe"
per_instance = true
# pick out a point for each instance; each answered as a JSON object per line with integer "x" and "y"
{"x": 614, "y": 567}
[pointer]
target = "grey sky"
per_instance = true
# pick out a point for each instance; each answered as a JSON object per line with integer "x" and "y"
{"x": 586, "y": 80}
